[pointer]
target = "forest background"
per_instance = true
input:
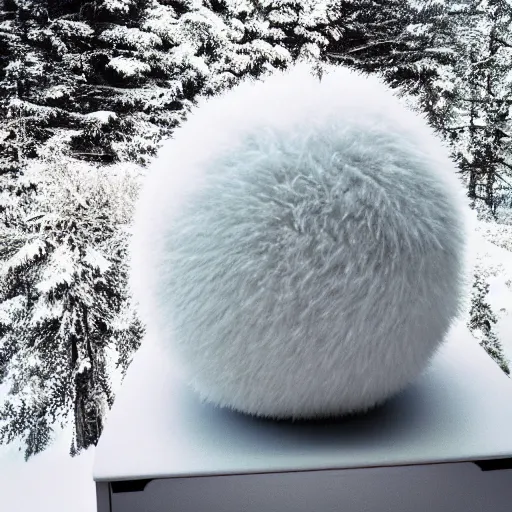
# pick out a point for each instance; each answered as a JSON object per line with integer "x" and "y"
{"x": 89, "y": 88}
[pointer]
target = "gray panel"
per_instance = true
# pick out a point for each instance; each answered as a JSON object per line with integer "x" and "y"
{"x": 432, "y": 488}
{"x": 103, "y": 497}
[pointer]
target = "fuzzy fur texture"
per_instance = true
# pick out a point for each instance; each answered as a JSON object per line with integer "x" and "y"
{"x": 299, "y": 245}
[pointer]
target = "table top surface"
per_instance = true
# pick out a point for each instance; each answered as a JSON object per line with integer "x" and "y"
{"x": 459, "y": 409}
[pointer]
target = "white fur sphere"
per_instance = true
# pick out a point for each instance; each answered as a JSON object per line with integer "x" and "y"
{"x": 299, "y": 245}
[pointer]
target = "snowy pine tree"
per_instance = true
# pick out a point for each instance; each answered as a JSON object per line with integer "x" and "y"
{"x": 482, "y": 135}
{"x": 63, "y": 296}
{"x": 482, "y": 322}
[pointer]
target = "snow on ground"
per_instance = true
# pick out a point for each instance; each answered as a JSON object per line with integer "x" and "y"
{"x": 49, "y": 482}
